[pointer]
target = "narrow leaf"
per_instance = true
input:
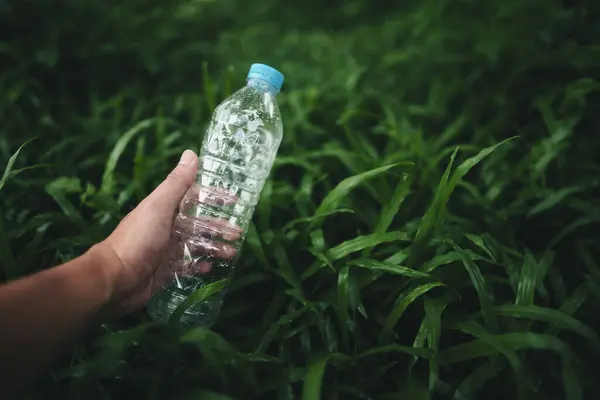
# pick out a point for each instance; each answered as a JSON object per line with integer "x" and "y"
{"x": 554, "y": 317}
{"x": 486, "y": 297}
{"x": 199, "y": 295}
{"x": 527, "y": 282}
{"x": 431, "y": 217}
{"x": 402, "y": 304}
{"x": 342, "y": 296}
{"x": 11, "y": 162}
{"x": 396, "y": 348}
{"x": 364, "y": 242}
{"x": 314, "y": 376}
{"x": 335, "y": 196}
{"x": 513, "y": 341}
{"x": 119, "y": 148}
{"x": 391, "y": 208}
{"x": 374, "y": 265}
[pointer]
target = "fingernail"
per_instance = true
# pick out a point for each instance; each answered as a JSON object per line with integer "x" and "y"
{"x": 187, "y": 157}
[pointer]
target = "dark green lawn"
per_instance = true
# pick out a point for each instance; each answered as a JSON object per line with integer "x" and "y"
{"x": 431, "y": 225}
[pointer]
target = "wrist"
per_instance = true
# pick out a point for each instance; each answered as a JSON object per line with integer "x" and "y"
{"x": 105, "y": 264}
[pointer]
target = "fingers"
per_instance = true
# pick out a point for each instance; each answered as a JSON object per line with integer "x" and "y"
{"x": 186, "y": 225}
{"x": 207, "y": 195}
{"x": 203, "y": 267}
{"x": 206, "y": 248}
{"x": 169, "y": 193}
{"x": 195, "y": 225}
{"x": 193, "y": 255}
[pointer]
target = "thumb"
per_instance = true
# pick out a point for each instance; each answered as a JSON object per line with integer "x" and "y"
{"x": 170, "y": 192}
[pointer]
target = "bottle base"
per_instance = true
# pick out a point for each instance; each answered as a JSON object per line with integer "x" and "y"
{"x": 202, "y": 314}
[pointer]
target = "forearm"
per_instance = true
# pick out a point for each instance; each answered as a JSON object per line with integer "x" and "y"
{"x": 41, "y": 314}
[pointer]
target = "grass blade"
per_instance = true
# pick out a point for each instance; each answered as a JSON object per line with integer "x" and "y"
{"x": 391, "y": 208}
{"x": 335, "y": 196}
{"x": 374, "y": 265}
{"x": 475, "y": 381}
{"x": 527, "y": 281}
{"x": 402, "y": 304}
{"x": 59, "y": 188}
{"x": 342, "y": 297}
{"x": 438, "y": 261}
{"x": 486, "y": 297}
{"x": 554, "y": 317}
{"x": 199, "y": 295}
{"x": 273, "y": 329}
{"x": 209, "y": 91}
{"x": 314, "y": 218}
{"x": 480, "y": 242}
{"x": 314, "y": 376}
{"x": 553, "y": 198}
{"x": 444, "y": 190}
{"x": 474, "y": 329}
{"x": 364, "y": 242}
{"x": 11, "y": 162}
{"x": 419, "y": 342}
{"x": 433, "y": 326}
{"x": 516, "y": 342}
{"x": 432, "y": 215}
{"x": 396, "y": 348}
{"x": 119, "y": 148}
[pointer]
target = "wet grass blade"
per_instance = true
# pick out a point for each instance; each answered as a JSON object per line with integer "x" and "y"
{"x": 433, "y": 326}
{"x": 374, "y": 265}
{"x": 486, "y": 297}
{"x": 551, "y": 199}
{"x": 364, "y": 242}
{"x": 551, "y": 316}
{"x": 444, "y": 190}
{"x": 284, "y": 320}
{"x": 8, "y": 170}
{"x": 313, "y": 379}
{"x": 342, "y": 299}
{"x": 579, "y": 297}
{"x": 403, "y": 302}
{"x": 527, "y": 282}
{"x": 315, "y": 218}
{"x": 119, "y": 148}
{"x": 441, "y": 260}
{"x": 337, "y": 194}
{"x": 432, "y": 215}
{"x": 209, "y": 91}
{"x": 480, "y": 242}
{"x": 255, "y": 245}
{"x": 473, "y": 328}
{"x": 517, "y": 342}
{"x": 419, "y": 342}
{"x": 199, "y": 295}
{"x": 391, "y": 208}
{"x": 475, "y": 381}
{"x": 59, "y": 188}
{"x": 396, "y": 348}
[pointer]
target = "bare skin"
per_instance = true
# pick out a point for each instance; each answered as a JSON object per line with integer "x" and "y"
{"x": 42, "y": 314}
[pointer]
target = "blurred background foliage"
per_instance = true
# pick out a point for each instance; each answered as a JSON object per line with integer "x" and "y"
{"x": 384, "y": 263}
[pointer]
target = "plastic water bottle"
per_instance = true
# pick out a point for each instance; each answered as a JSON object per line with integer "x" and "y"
{"x": 237, "y": 154}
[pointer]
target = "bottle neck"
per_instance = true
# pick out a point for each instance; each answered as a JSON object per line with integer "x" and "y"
{"x": 262, "y": 86}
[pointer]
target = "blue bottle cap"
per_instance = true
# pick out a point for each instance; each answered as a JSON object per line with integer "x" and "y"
{"x": 267, "y": 74}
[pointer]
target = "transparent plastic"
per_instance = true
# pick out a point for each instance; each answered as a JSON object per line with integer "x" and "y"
{"x": 237, "y": 154}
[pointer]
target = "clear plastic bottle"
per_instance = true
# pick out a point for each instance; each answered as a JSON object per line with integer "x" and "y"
{"x": 237, "y": 154}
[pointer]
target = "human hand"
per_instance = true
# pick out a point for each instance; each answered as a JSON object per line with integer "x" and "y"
{"x": 138, "y": 253}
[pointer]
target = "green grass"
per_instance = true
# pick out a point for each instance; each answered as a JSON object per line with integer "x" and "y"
{"x": 429, "y": 229}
